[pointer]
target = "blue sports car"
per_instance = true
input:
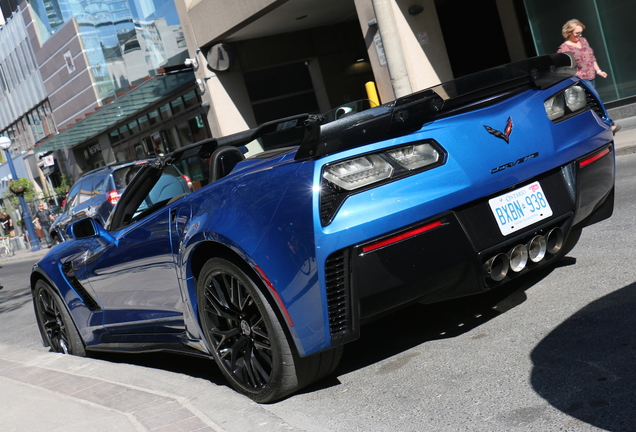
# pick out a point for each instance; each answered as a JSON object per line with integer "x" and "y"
{"x": 301, "y": 230}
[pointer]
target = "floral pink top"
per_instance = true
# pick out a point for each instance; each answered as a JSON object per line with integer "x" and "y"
{"x": 584, "y": 58}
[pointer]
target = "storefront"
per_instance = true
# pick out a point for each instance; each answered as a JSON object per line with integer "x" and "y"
{"x": 156, "y": 117}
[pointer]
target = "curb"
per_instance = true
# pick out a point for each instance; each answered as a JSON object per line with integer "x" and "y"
{"x": 155, "y": 400}
{"x": 147, "y": 410}
{"x": 626, "y": 149}
{"x": 25, "y": 255}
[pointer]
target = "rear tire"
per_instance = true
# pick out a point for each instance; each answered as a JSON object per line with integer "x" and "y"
{"x": 247, "y": 339}
{"x": 56, "y": 325}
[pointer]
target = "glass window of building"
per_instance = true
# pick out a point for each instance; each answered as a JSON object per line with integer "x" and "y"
{"x": 26, "y": 52}
{"x": 177, "y": 106}
{"x": 3, "y": 81}
{"x": 606, "y": 24}
{"x": 143, "y": 122}
{"x": 149, "y": 146}
{"x": 123, "y": 132}
{"x": 133, "y": 127}
{"x": 166, "y": 112}
{"x": 190, "y": 99}
{"x": 113, "y": 136}
{"x": 197, "y": 127}
{"x": 185, "y": 136}
{"x": 123, "y": 39}
{"x": 167, "y": 141}
{"x": 153, "y": 117}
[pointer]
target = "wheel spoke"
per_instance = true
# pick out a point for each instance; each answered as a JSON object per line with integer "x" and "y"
{"x": 217, "y": 302}
{"x": 53, "y": 323}
{"x": 224, "y": 339}
{"x": 259, "y": 369}
{"x": 237, "y": 330}
{"x": 248, "y": 367}
{"x": 58, "y": 330}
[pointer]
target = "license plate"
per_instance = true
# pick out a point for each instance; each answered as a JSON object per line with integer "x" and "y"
{"x": 520, "y": 208}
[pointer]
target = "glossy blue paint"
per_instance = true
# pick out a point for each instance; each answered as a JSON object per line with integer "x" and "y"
{"x": 266, "y": 212}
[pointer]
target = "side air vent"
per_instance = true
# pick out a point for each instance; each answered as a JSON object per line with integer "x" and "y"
{"x": 79, "y": 289}
{"x": 338, "y": 294}
{"x": 593, "y": 104}
{"x": 331, "y": 198}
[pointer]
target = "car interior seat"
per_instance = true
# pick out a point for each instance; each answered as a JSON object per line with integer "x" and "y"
{"x": 167, "y": 187}
{"x": 223, "y": 160}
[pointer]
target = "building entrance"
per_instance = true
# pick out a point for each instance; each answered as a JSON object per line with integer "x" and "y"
{"x": 473, "y": 35}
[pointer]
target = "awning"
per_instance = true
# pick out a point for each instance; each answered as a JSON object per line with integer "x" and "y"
{"x": 118, "y": 111}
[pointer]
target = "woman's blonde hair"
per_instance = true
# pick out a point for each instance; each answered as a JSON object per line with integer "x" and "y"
{"x": 569, "y": 27}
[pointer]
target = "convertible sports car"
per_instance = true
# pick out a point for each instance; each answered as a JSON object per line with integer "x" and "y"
{"x": 300, "y": 230}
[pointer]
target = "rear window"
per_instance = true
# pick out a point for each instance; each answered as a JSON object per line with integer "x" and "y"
{"x": 122, "y": 176}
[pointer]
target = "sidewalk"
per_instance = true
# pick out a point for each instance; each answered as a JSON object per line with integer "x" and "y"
{"x": 54, "y": 392}
{"x": 25, "y": 255}
{"x": 63, "y": 393}
{"x": 625, "y": 139}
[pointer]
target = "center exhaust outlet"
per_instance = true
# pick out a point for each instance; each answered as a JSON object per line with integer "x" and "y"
{"x": 518, "y": 257}
{"x": 537, "y": 248}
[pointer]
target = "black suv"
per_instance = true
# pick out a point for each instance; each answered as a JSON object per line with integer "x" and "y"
{"x": 94, "y": 195}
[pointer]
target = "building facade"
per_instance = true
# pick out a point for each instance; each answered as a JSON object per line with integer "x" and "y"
{"x": 25, "y": 113}
{"x": 111, "y": 83}
{"x": 271, "y": 58}
{"x": 217, "y": 66}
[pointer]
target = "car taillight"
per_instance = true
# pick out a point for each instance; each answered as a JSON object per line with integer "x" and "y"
{"x": 567, "y": 103}
{"x": 366, "y": 170}
{"x": 401, "y": 236}
{"x": 113, "y": 197}
{"x": 188, "y": 181}
{"x": 596, "y": 156}
{"x": 343, "y": 178}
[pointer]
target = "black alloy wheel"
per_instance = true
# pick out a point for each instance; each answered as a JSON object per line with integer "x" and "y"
{"x": 56, "y": 326}
{"x": 247, "y": 339}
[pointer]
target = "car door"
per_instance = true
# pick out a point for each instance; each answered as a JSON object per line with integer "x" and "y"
{"x": 135, "y": 278}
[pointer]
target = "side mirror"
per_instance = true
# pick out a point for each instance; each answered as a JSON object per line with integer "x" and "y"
{"x": 83, "y": 228}
{"x": 86, "y": 228}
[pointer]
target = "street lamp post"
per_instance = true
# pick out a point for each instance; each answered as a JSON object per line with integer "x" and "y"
{"x": 5, "y": 144}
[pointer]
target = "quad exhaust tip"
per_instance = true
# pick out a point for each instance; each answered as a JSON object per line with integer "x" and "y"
{"x": 517, "y": 258}
{"x": 537, "y": 248}
{"x": 554, "y": 240}
{"x": 497, "y": 267}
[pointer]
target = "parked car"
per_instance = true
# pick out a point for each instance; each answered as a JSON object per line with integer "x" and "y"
{"x": 276, "y": 263}
{"x": 96, "y": 193}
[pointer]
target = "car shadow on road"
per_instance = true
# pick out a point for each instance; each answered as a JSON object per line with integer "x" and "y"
{"x": 193, "y": 366}
{"x": 585, "y": 367}
{"x": 418, "y": 323}
{"x": 381, "y": 339}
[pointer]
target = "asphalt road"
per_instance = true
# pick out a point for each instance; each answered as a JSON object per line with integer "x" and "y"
{"x": 17, "y": 319}
{"x": 554, "y": 352}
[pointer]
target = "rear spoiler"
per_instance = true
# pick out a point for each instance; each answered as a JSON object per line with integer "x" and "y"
{"x": 206, "y": 147}
{"x": 409, "y": 113}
